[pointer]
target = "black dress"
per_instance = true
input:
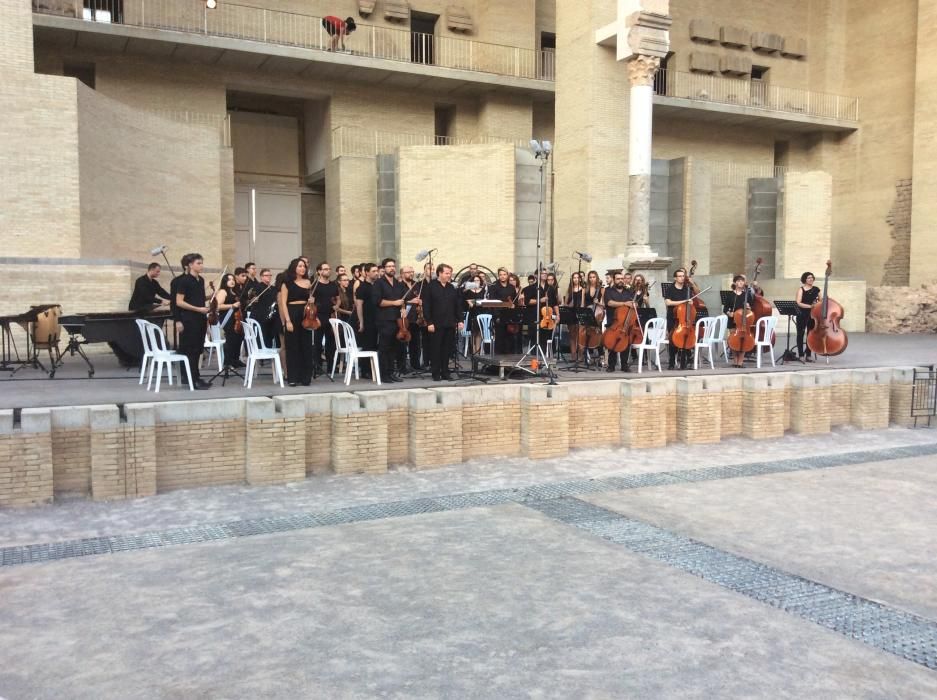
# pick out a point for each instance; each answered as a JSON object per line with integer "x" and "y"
{"x": 298, "y": 343}
{"x": 808, "y": 296}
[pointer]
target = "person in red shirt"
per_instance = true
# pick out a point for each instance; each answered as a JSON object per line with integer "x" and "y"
{"x": 338, "y": 29}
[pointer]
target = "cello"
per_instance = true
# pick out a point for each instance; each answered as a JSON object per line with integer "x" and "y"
{"x": 683, "y": 335}
{"x": 741, "y": 339}
{"x": 826, "y": 337}
{"x": 618, "y": 336}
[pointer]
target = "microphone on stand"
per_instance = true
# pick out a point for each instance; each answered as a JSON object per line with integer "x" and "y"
{"x": 161, "y": 250}
{"x": 586, "y": 257}
{"x": 422, "y": 255}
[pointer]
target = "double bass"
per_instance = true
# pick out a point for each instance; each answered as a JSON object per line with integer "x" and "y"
{"x": 826, "y": 338}
{"x": 742, "y": 338}
{"x": 761, "y": 307}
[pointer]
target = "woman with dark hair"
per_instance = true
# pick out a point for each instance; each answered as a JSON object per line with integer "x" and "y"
{"x": 338, "y": 29}
{"x": 228, "y": 304}
{"x": 807, "y": 296}
{"x": 741, "y": 299}
{"x": 292, "y": 297}
{"x": 576, "y": 298}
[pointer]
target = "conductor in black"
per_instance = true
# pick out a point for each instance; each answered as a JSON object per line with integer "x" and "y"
{"x": 192, "y": 310}
{"x": 389, "y": 292}
{"x": 442, "y": 309}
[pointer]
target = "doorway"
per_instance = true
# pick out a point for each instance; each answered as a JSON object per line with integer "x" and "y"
{"x": 422, "y": 37}
{"x": 267, "y": 225}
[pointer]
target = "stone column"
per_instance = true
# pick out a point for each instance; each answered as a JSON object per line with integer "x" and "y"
{"x": 641, "y": 70}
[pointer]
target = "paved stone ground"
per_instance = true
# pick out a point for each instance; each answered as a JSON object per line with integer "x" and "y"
{"x": 31, "y": 388}
{"x": 748, "y": 570}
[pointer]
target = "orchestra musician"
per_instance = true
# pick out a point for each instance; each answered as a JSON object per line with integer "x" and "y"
{"x": 678, "y": 293}
{"x": 742, "y": 297}
{"x": 443, "y": 312}
{"x": 548, "y": 299}
{"x": 345, "y": 310}
{"x": 576, "y": 298}
{"x": 474, "y": 289}
{"x": 616, "y": 296}
{"x": 807, "y": 296}
{"x": 323, "y": 292}
{"x": 414, "y": 301}
{"x": 147, "y": 291}
{"x": 262, "y": 305}
{"x": 292, "y": 298}
{"x": 642, "y": 295}
{"x": 366, "y": 311}
{"x": 192, "y": 309}
{"x": 228, "y": 303}
{"x": 389, "y": 293}
{"x": 502, "y": 290}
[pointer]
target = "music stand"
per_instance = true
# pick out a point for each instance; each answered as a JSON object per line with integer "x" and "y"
{"x": 789, "y": 309}
{"x": 726, "y": 297}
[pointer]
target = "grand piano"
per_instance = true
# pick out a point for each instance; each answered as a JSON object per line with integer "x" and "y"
{"x": 118, "y": 329}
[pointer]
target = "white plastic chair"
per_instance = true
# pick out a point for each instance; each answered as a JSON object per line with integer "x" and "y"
{"x": 705, "y": 339}
{"x": 164, "y": 357}
{"x": 340, "y": 349}
{"x": 484, "y": 324}
{"x": 764, "y": 329}
{"x": 147, "y": 348}
{"x": 465, "y": 335}
{"x": 655, "y": 335}
{"x": 214, "y": 341}
{"x": 257, "y": 351}
{"x": 353, "y": 354}
{"x": 720, "y": 333}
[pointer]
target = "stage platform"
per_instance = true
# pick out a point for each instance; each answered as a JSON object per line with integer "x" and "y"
{"x": 112, "y": 384}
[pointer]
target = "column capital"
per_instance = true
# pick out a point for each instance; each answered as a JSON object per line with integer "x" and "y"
{"x": 641, "y": 69}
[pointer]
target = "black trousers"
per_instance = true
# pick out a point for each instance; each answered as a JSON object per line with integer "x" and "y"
{"x": 803, "y": 324}
{"x": 323, "y": 331}
{"x": 415, "y": 346}
{"x": 388, "y": 347}
{"x": 192, "y": 342}
{"x": 232, "y": 344}
{"x": 615, "y": 357}
{"x": 503, "y": 339}
{"x": 442, "y": 345}
{"x": 298, "y": 346}
{"x": 676, "y": 354}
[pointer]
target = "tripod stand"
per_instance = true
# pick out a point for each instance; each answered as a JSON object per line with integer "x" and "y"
{"x": 542, "y": 153}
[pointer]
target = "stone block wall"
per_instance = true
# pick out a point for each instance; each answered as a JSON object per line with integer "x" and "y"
{"x": 110, "y": 452}
{"x": 491, "y": 419}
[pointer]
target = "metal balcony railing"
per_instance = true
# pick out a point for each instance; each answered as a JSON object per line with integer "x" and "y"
{"x": 238, "y": 21}
{"x": 755, "y": 94}
{"x": 351, "y": 141}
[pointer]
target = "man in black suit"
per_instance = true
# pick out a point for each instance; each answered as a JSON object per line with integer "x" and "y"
{"x": 147, "y": 292}
{"x": 442, "y": 309}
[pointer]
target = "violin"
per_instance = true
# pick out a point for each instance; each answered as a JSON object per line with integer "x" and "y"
{"x": 761, "y": 307}
{"x": 311, "y": 320}
{"x": 212, "y": 305}
{"x": 826, "y": 337}
{"x": 619, "y": 336}
{"x": 683, "y": 335}
{"x": 403, "y": 332}
{"x": 238, "y": 320}
{"x": 547, "y": 322}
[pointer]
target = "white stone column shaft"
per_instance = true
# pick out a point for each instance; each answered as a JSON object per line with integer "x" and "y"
{"x": 641, "y": 70}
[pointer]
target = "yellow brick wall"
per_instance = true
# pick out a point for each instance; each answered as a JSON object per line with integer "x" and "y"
{"x": 469, "y": 189}
{"x": 592, "y": 421}
{"x": 132, "y": 165}
{"x": 276, "y": 450}
{"x": 924, "y": 202}
{"x": 71, "y": 461}
{"x": 643, "y": 421}
{"x": 200, "y": 453}
{"x": 491, "y": 430}
{"x": 359, "y": 443}
{"x": 810, "y": 410}
{"x": 25, "y": 469}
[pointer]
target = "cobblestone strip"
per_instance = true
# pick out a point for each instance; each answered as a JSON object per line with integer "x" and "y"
{"x": 888, "y": 629}
{"x": 34, "y": 553}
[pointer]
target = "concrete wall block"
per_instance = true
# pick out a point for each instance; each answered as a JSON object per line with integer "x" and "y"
{"x": 71, "y": 417}
{"x": 290, "y": 406}
{"x": 197, "y": 411}
{"x": 38, "y": 420}
{"x": 6, "y": 421}
{"x": 257, "y": 408}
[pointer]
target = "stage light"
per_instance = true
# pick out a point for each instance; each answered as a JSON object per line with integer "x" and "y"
{"x": 211, "y": 4}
